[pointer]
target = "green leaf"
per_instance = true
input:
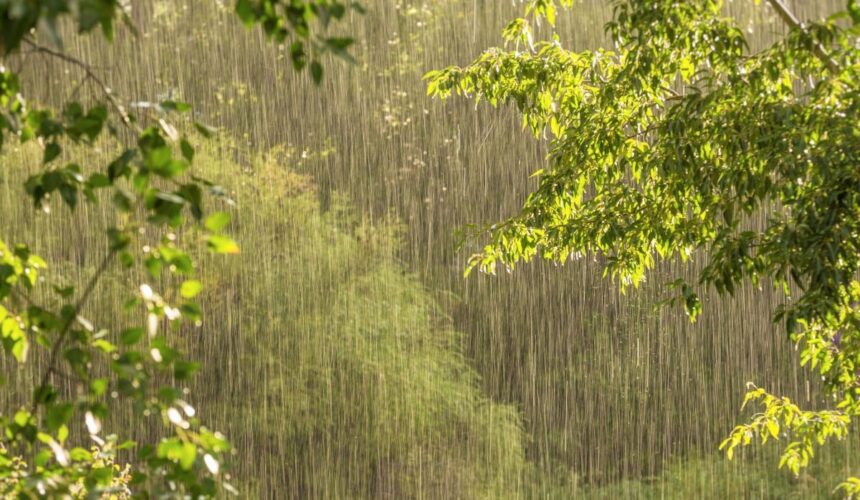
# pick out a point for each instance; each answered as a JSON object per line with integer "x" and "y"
{"x": 58, "y": 415}
{"x": 854, "y": 11}
{"x": 221, "y": 244}
{"x": 52, "y": 151}
{"x": 178, "y": 451}
{"x": 131, "y": 335}
{"x": 62, "y": 434}
{"x": 246, "y": 12}
{"x": 187, "y": 455}
{"x": 14, "y": 340}
{"x": 187, "y": 150}
{"x": 80, "y": 455}
{"x": 104, "y": 346}
{"x": 339, "y": 46}
{"x": 98, "y": 386}
{"x": 316, "y": 72}
{"x": 182, "y": 370}
{"x": 100, "y": 476}
{"x": 204, "y": 130}
{"x": 180, "y": 107}
{"x": 773, "y": 428}
{"x": 69, "y": 194}
{"x": 99, "y": 180}
{"x": 190, "y": 289}
{"x": 217, "y": 221}
{"x": 64, "y": 292}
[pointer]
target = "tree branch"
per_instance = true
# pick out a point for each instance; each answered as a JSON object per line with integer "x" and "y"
{"x": 79, "y": 305}
{"x": 792, "y": 21}
{"x": 90, "y": 74}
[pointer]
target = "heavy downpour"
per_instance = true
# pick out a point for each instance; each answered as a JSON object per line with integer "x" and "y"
{"x": 436, "y": 249}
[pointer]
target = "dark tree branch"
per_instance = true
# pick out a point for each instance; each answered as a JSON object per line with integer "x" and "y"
{"x": 792, "y": 21}
{"x": 79, "y": 305}
{"x": 91, "y": 75}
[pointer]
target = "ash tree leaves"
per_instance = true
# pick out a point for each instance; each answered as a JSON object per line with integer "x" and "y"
{"x": 150, "y": 184}
{"x": 77, "y": 126}
{"x": 854, "y": 11}
{"x": 18, "y": 268}
{"x": 11, "y": 103}
{"x": 668, "y": 145}
{"x": 781, "y": 415}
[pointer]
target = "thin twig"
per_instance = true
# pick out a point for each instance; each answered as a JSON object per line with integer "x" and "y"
{"x": 817, "y": 48}
{"x": 58, "y": 344}
{"x": 74, "y": 93}
{"x": 74, "y": 377}
{"x": 90, "y": 74}
{"x": 24, "y": 298}
{"x": 670, "y": 90}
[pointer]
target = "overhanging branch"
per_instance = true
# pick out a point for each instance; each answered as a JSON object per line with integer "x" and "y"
{"x": 91, "y": 75}
{"x": 792, "y": 21}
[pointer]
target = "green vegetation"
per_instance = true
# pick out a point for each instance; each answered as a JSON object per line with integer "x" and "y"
{"x": 348, "y": 379}
{"x": 353, "y": 382}
{"x": 151, "y": 188}
{"x": 715, "y": 477}
{"x": 340, "y": 350}
{"x": 340, "y": 375}
{"x": 671, "y": 144}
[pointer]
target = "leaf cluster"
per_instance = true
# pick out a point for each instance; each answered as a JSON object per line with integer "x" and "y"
{"x": 86, "y": 370}
{"x": 680, "y": 142}
{"x": 280, "y": 19}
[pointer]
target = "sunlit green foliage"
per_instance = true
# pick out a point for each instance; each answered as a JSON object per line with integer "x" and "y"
{"x": 73, "y": 346}
{"x": 282, "y": 20}
{"x": 151, "y": 189}
{"x": 668, "y": 145}
{"x": 605, "y": 390}
{"x": 713, "y": 477}
{"x": 334, "y": 372}
{"x": 357, "y": 374}
{"x": 807, "y": 428}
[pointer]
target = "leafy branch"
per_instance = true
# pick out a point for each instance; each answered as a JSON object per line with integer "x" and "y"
{"x": 151, "y": 177}
{"x": 729, "y": 134}
{"x": 794, "y": 23}
{"x": 106, "y": 91}
{"x": 71, "y": 317}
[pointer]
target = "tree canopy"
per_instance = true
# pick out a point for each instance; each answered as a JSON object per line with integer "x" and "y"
{"x": 672, "y": 144}
{"x": 152, "y": 187}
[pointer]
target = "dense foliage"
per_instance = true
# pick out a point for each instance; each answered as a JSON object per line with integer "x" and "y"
{"x": 671, "y": 145}
{"x": 358, "y": 386}
{"x": 153, "y": 193}
{"x": 333, "y": 371}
